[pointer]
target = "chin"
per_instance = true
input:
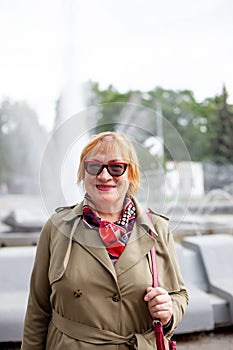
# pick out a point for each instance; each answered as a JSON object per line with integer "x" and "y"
{"x": 110, "y": 197}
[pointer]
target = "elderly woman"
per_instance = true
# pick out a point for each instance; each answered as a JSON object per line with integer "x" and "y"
{"x": 91, "y": 285}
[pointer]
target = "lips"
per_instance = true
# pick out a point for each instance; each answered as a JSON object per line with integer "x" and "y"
{"x": 105, "y": 187}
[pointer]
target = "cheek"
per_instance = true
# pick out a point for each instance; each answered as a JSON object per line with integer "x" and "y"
{"x": 124, "y": 183}
{"x": 87, "y": 180}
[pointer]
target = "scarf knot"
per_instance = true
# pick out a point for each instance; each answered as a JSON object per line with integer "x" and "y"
{"x": 114, "y": 235}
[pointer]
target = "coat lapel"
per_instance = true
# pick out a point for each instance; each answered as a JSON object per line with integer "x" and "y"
{"x": 140, "y": 242}
{"x": 91, "y": 242}
{"x": 139, "y": 245}
{"x": 137, "y": 248}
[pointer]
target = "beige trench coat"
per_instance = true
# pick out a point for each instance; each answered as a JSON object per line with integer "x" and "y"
{"x": 78, "y": 300}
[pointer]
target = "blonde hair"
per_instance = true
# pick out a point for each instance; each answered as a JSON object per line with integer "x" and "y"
{"x": 115, "y": 143}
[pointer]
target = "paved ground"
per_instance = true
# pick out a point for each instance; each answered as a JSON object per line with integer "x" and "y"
{"x": 219, "y": 340}
{"x": 9, "y": 346}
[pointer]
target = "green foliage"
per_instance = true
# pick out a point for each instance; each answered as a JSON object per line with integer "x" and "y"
{"x": 206, "y": 127}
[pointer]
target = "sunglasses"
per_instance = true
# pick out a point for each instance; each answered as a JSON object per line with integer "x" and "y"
{"x": 94, "y": 167}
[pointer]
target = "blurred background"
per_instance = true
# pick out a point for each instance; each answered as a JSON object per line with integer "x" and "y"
{"x": 164, "y": 67}
{"x": 174, "y": 58}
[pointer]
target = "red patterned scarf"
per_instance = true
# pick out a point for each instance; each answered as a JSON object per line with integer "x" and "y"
{"x": 115, "y": 235}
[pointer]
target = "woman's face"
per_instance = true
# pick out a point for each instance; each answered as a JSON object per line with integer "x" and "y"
{"x": 105, "y": 189}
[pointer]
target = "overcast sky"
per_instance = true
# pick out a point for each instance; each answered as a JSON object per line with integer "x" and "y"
{"x": 52, "y": 46}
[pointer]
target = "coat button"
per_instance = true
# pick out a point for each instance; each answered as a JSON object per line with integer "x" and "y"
{"x": 78, "y": 293}
{"x": 116, "y": 297}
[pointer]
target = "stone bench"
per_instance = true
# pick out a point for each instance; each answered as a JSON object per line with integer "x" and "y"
{"x": 199, "y": 314}
{"x": 206, "y": 309}
{"x": 15, "y": 270}
{"x": 216, "y": 254}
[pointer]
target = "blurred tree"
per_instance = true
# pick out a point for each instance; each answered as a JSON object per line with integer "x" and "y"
{"x": 113, "y": 102}
{"x": 5, "y": 165}
{"x": 22, "y": 140}
{"x": 222, "y": 140}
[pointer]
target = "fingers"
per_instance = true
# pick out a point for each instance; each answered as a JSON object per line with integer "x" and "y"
{"x": 159, "y": 304}
{"x": 154, "y": 292}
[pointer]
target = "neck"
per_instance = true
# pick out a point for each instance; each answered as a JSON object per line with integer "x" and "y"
{"x": 108, "y": 215}
{"x": 106, "y": 212}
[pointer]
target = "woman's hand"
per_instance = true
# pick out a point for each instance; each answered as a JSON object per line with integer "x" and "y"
{"x": 159, "y": 304}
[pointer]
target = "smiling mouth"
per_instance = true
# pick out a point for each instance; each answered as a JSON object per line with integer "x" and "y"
{"x": 105, "y": 187}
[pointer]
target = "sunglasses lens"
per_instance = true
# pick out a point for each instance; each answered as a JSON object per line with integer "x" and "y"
{"x": 92, "y": 168}
{"x": 116, "y": 169}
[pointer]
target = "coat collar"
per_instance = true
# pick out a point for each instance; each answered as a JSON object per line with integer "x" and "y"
{"x": 71, "y": 213}
{"x": 143, "y": 219}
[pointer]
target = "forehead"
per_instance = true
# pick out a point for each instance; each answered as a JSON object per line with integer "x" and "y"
{"x": 105, "y": 158}
{"x": 107, "y": 150}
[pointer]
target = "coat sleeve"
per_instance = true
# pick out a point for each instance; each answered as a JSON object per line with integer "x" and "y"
{"x": 38, "y": 314}
{"x": 180, "y": 298}
{"x": 169, "y": 273}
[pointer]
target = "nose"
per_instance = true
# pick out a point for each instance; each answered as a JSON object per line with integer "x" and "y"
{"x": 104, "y": 175}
